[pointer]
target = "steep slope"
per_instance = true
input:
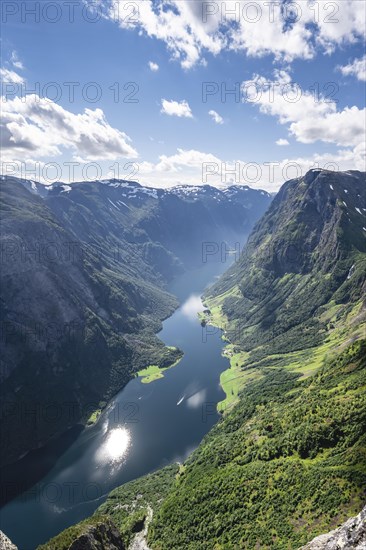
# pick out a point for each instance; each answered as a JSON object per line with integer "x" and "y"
{"x": 308, "y": 250}
{"x": 152, "y": 221}
{"x": 83, "y": 276}
{"x": 70, "y": 322}
{"x": 129, "y": 507}
{"x": 97, "y": 533}
{"x": 286, "y": 464}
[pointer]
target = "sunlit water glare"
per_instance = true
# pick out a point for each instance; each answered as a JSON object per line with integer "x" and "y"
{"x": 115, "y": 446}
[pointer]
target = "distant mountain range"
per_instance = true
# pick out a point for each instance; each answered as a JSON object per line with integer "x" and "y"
{"x": 84, "y": 275}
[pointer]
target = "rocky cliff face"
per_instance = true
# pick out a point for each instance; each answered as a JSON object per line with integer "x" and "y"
{"x": 102, "y": 536}
{"x": 5, "y": 543}
{"x": 349, "y": 536}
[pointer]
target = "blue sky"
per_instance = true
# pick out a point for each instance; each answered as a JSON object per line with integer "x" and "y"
{"x": 308, "y": 74}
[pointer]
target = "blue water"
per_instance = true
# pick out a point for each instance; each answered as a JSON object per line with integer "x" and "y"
{"x": 144, "y": 427}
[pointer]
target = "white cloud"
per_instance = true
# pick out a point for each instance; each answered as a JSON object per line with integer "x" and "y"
{"x": 177, "y": 23}
{"x": 282, "y": 142}
{"x": 310, "y": 118}
{"x": 263, "y": 31}
{"x": 216, "y": 117}
{"x": 194, "y": 167}
{"x": 15, "y": 61}
{"x": 153, "y": 66}
{"x": 192, "y": 29}
{"x": 38, "y": 127}
{"x": 175, "y": 108}
{"x": 345, "y": 128}
{"x": 339, "y": 22}
{"x": 357, "y": 68}
{"x": 11, "y": 77}
{"x": 197, "y": 168}
{"x": 185, "y": 166}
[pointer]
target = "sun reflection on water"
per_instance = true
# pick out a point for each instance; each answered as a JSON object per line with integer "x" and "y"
{"x": 115, "y": 445}
{"x": 192, "y": 306}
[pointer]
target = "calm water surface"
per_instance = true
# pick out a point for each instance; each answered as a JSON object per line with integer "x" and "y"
{"x": 145, "y": 426}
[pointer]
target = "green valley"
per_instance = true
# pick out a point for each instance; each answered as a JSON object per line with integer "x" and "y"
{"x": 287, "y": 460}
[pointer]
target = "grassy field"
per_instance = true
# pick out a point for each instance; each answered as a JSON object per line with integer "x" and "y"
{"x": 342, "y": 327}
{"x": 93, "y": 417}
{"x": 153, "y": 372}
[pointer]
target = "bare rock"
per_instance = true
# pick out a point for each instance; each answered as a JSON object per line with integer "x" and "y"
{"x": 102, "y": 536}
{"x": 5, "y": 543}
{"x": 349, "y": 536}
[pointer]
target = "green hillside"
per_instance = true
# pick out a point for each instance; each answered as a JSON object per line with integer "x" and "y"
{"x": 287, "y": 460}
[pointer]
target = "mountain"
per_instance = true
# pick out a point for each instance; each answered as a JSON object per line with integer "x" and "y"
{"x": 286, "y": 462}
{"x": 179, "y": 219}
{"x": 307, "y": 251}
{"x": 84, "y": 275}
{"x": 70, "y": 322}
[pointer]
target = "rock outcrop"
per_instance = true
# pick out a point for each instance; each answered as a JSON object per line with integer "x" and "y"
{"x": 5, "y": 543}
{"x": 102, "y": 536}
{"x": 349, "y": 536}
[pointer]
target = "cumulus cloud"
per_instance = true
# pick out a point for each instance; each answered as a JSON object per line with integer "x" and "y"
{"x": 285, "y": 30}
{"x": 310, "y": 118}
{"x": 11, "y": 77}
{"x": 185, "y": 166}
{"x": 176, "y": 108}
{"x": 357, "y": 68}
{"x": 339, "y": 22}
{"x": 177, "y": 23}
{"x": 282, "y": 142}
{"x": 194, "y": 167}
{"x": 345, "y": 128}
{"x": 153, "y": 66}
{"x": 216, "y": 117}
{"x": 41, "y": 127}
